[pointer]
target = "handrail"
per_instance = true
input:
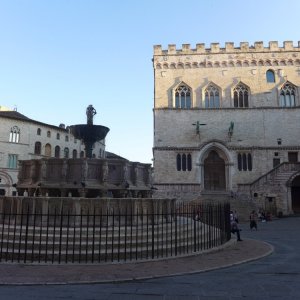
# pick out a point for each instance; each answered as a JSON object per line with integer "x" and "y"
{"x": 273, "y": 172}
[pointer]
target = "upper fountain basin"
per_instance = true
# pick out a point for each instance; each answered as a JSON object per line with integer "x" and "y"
{"x": 90, "y": 133}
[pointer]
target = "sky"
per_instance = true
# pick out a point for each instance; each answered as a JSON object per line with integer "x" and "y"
{"x": 59, "y": 56}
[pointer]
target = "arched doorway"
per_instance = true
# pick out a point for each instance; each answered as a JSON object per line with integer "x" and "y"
{"x": 6, "y": 182}
{"x": 214, "y": 172}
{"x": 295, "y": 189}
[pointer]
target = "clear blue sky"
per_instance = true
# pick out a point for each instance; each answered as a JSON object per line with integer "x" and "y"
{"x": 59, "y": 56}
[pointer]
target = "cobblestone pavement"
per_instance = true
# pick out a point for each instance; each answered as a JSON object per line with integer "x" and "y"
{"x": 276, "y": 276}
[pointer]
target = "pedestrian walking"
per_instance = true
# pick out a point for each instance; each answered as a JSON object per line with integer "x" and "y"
{"x": 253, "y": 220}
{"x": 234, "y": 227}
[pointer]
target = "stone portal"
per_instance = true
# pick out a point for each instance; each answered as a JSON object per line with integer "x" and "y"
{"x": 214, "y": 172}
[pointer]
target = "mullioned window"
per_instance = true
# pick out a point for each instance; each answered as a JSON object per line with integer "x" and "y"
{"x": 241, "y": 96}
{"x": 183, "y": 96}
{"x": 212, "y": 96}
{"x": 184, "y": 162}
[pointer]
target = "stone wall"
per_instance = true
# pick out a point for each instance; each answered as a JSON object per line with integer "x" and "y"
{"x": 256, "y": 131}
{"x": 84, "y": 177}
{"x": 225, "y": 68}
{"x": 112, "y": 208}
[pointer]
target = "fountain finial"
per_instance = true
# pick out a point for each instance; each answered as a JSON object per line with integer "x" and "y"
{"x": 90, "y": 112}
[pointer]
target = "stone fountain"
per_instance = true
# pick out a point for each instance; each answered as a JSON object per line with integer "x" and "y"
{"x": 75, "y": 209}
{"x": 89, "y": 133}
{"x": 86, "y": 177}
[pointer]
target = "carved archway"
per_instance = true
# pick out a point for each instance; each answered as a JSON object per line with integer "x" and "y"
{"x": 215, "y": 165}
{"x": 6, "y": 183}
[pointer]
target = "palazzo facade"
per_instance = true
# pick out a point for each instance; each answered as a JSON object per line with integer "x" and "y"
{"x": 227, "y": 121}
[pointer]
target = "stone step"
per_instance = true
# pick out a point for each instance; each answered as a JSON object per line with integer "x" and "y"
{"x": 181, "y": 224}
{"x": 137, "y": 236}
{"x": 64, "y": 242}
{"x": 282, "y": 177}
{"x": 90, "y": 256}
{"x": 9, "y": 246}
{"x": 63, "y": 249}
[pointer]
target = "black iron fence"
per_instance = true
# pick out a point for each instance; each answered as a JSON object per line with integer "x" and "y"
{"x": 111, "y": 235}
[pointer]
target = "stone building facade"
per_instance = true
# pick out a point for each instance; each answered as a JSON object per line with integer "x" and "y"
{"x": 22, "y": 138}
{"x": 226, "y": 121}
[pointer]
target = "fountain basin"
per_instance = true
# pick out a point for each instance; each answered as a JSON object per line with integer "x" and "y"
{"x": 89, "y": 133}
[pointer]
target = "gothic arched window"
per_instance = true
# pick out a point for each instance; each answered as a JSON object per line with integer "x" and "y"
{"x": 244, "y": 162}
{"x": 74, "y": 154}
{"x": 57, "y": 152}
{"x": 183, "y": 97}
{"x": 37, "y": 148}
{"x": 270, "y": 76}
{"x": 178, "y": 162}
{"x": 14, "y": 135}
{"x": 212, "y": 97}
{"x": 287, "y": 95}
{"x": 241, "y": 96}
{"x": 184, "y": 162}
{"x": 66, "y": 152}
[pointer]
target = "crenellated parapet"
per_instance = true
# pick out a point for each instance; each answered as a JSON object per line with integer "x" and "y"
{"x": 229, "y": 48}
{"x": 230, "y": 56}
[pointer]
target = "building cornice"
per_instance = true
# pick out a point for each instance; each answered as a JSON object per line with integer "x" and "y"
{"x": 241, "y": 148}
{"x": 12, "y": 115}
{"x": 226, "y": 108}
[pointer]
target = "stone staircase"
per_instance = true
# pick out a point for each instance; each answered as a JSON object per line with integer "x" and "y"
{"x": 31, "y": 244}
{"x": 273, "y": 184}
{"x": 277, "y": 176}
